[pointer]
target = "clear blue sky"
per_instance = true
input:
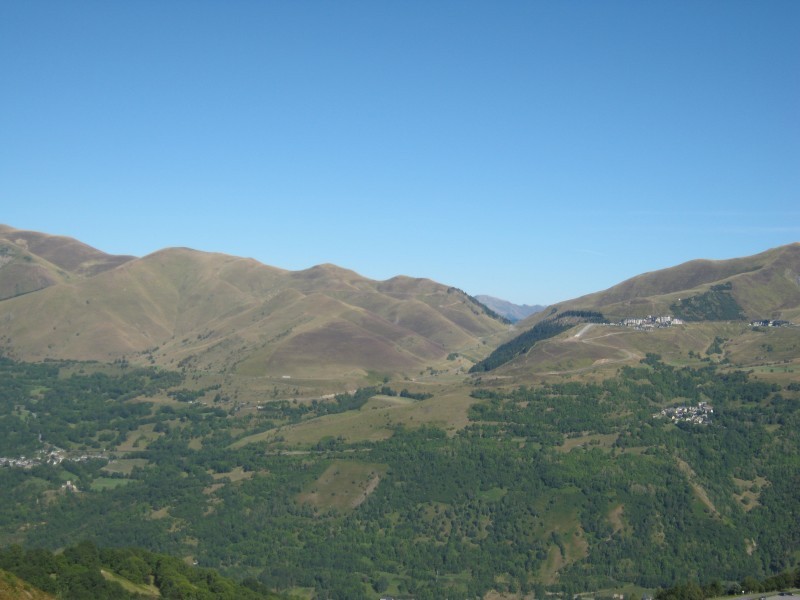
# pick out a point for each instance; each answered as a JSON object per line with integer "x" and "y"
{"x": 535, "y": 151}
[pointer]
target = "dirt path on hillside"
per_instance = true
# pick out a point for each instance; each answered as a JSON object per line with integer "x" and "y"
{"x": 578, "y": 338}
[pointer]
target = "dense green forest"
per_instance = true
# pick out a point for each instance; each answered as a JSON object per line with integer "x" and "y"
{"x": 86, "y": 572}
{"x": 717, "y": 304}
{"x": 563, "y": 487}
{"x": 691, "y": 590}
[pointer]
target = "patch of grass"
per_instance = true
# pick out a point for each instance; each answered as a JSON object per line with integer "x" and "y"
{"x": 561, "y": 523}
{"x": 700, "y": 492}
{"x": 615, "y": 517}
{"x": 125, "y": 465}
{"x": 602, "y": 350}
{"x": 237, "y": 474}
{"x": 492, "y": 495}
{"x": 448, "y": 408}
{"x": 139, "y": 438}
{"x": 149, "y": 591}
{"x": 386, "y": 401}
{"x": 595, "y": 440}
{"x": 108, "y": 483}
{"x": 254, "y": 438}
{"x": 749, "y": 491}
{"x": 343, "y": 486}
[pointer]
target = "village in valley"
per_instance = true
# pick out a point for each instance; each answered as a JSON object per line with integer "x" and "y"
{"x": 50, "y": 456}
{"x": 659, "y": 322}
{"x": 650, "y": 322}
{"x": 697, "y": 415}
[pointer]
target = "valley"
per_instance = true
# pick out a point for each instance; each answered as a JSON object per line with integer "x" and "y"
{"x": 322, "y": 435}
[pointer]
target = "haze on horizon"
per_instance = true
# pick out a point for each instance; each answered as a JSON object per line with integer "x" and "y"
{"x": 533, "y": 151}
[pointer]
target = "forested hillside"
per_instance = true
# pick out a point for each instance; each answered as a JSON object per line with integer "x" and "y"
{"x": 86, "y": 572}
{"x": 563, "y": 487}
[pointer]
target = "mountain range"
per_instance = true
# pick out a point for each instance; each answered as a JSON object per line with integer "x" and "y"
{"x": 509, "y": 310}
{"x": 64, "y": 299}
{"x": 178, "y": 307}
{"x": 322, "y": 435}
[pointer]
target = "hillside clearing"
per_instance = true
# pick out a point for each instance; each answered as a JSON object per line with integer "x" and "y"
{"x": 343, "y": 486}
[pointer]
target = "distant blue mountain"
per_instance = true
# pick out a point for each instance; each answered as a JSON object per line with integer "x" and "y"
{"x": 509, "y": 310}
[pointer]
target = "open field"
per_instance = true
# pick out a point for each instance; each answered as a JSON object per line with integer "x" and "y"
{"x": 125, "y": 465}
{"x": 595, "y": 440}
{"x": 148, "y": 591}
{"x": 108, "y": 483}
{"x": 139, "y": 439}
{"x": 375, "y": 421}
{"x": 749, "y": 492}
{"x": 343, "y": 486}
{"x": 560, "y": 522}
{"x": 235, "y": 475}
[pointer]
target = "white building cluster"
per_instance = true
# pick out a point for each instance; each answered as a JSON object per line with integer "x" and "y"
{"x": 651, "y": 322}
{"x": 52, "y": 456}
{"x": 699, "y": 415}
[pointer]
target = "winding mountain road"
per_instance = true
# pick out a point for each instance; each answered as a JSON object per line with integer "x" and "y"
{"x": 578, "y": 338}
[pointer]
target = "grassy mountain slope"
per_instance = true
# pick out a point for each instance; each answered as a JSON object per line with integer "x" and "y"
{"x": 766, "y": 285}
{"x": 180, "y": 307}
{"x": 716, "y": 298}
{"x": 64, "y": 252}
{"x": 31, "y": 261}
{"x": 599, "y": 351}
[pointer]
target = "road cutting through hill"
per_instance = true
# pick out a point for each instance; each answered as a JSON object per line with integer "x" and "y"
{"x": 578, "y": 337}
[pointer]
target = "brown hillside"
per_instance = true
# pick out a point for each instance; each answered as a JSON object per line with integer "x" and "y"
{"x": 64, "y": 252}
{"x": 181, "y": 307}
{"x": 766, "y": 285}
{"x": 31, "y": 261}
